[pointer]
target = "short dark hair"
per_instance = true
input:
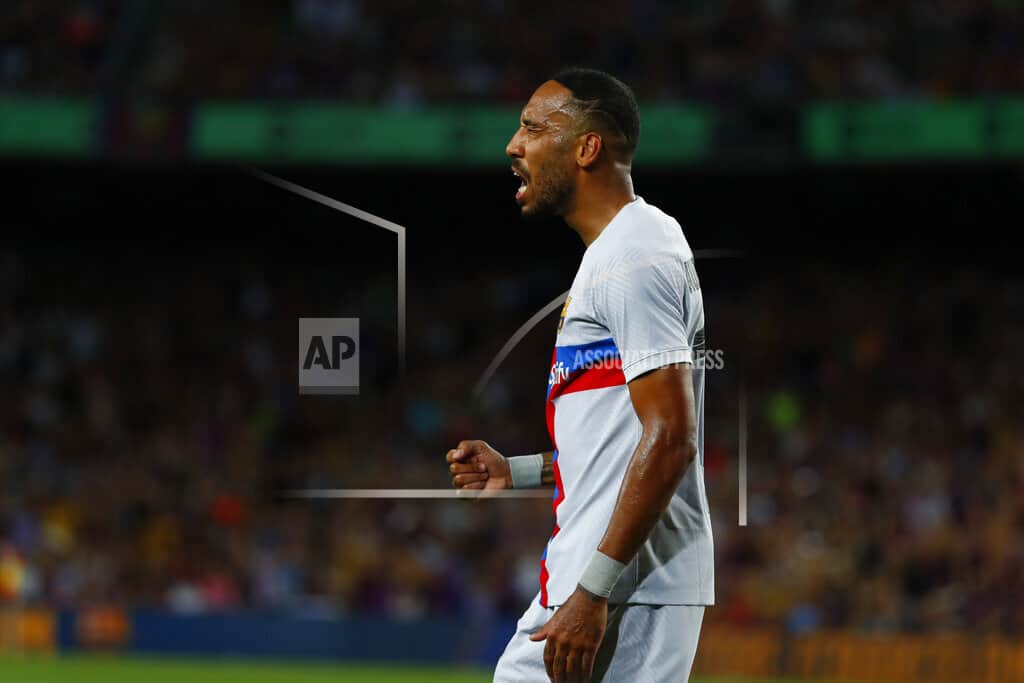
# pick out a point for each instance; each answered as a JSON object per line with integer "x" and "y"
{"x": 603, "y": 96}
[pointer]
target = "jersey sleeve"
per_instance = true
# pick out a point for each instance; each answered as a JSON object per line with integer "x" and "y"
{"x": 650, "y": 309}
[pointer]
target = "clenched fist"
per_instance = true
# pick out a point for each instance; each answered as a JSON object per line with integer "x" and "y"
{"x": 474, "y": 465}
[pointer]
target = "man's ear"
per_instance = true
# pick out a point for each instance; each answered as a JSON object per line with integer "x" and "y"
{"x": 589, "y": 149}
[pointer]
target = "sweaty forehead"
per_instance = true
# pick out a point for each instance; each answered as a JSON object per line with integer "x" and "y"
{"x": 550, "y": 103}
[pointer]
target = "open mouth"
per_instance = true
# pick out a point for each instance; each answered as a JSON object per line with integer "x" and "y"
{"x": 522, "y": 184}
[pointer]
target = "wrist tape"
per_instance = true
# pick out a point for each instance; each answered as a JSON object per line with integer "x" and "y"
{"x": 526, "y": 470}
{"x": 601, "y": 574}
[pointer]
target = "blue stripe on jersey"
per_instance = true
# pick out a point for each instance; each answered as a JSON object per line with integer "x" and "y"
{"x": 573, "y": 358}
{"x": 554, "y": 459}
{"x": 577, "y": 356}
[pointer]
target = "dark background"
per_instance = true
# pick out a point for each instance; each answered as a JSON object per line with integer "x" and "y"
{"x": 861, "y": 214}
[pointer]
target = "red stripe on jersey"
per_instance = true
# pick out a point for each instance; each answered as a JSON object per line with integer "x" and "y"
{"x": 549, "y": 415}
{"x": 561, "y": 492}
{"x": 554, "y": 532}
{"x": 549, "y": 409}
{"x": 544, "y": 583}
{"x": 592, "y": 378}
{"x": 544, "y": 576}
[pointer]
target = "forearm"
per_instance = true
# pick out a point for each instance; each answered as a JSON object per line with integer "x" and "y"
{"x": 659, "y": 462}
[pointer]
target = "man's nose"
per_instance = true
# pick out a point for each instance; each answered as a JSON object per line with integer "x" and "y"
{"x": 514, "y": 148}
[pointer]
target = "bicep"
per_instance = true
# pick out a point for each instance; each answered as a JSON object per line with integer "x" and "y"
{"x": 663, "y": 399}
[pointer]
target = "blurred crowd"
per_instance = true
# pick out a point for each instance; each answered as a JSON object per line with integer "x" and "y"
{"x": 150, "y": 424}
{"x": 887, "y": 485}
{"x": 742, "y": 52}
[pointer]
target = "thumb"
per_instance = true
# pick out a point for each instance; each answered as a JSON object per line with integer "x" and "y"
{"x": 542, "y": 634}
{"x": 465, "y": 449}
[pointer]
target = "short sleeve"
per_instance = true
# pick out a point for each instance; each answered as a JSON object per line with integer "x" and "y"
{"x": 646, "y": 307}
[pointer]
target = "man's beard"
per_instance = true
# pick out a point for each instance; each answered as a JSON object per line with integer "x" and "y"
{"x": 552, "y": 195}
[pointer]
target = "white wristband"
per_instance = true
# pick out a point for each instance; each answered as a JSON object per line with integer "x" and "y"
{"x": 601, "y": 574}
{"x": 526, "y": 470}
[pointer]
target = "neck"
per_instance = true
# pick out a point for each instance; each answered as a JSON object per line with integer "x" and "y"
{"x": 596, "y": 203}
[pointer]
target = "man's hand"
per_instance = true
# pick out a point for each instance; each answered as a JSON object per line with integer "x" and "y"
{"x": 475, "y": 465}
{"x": 573, "y": 635}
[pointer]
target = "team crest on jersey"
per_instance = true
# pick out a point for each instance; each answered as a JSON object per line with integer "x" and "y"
{"x": 561, "y": 317}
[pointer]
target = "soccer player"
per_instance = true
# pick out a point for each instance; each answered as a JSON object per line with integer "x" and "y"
{"x": 628, "y": 568}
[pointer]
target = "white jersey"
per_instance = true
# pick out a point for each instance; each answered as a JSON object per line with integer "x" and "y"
{"x": 635, "y": 306}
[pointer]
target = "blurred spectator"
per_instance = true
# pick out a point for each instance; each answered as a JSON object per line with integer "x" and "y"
{"x": 769, "y": 53}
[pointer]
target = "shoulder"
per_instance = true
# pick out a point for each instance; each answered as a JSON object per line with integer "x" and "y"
{"x": 658, "y": 232}
{"x": 642, "y": 234}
